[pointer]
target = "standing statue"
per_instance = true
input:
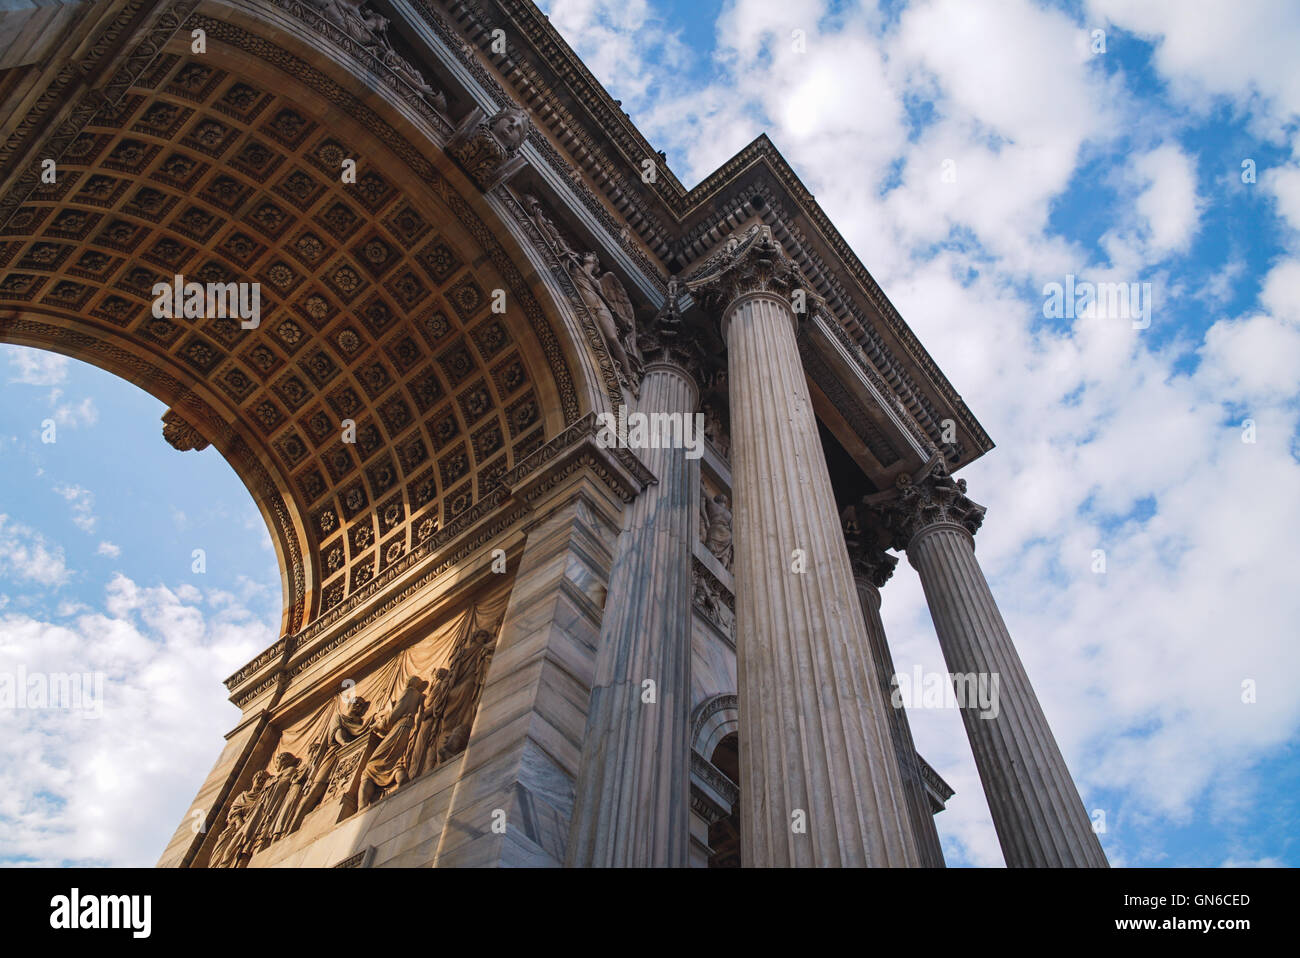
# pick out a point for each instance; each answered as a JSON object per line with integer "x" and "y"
{"x": 547, "y": 227}
{"x": 387, "y": 765}
{"x": 608, "y": 302}
{"x": 468, "y": 668}
{"x": 304, "y": 774}
{"x": 715, "y": 432}
{"x": 271, "y": 802}
{"x": 227, "y": 847}
{"x": 424, "y": 750}
{"x": 344, "y": 727}
{"x": 717, "y": 528}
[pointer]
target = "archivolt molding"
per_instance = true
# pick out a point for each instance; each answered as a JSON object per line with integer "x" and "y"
{"x": 713, "y": 720}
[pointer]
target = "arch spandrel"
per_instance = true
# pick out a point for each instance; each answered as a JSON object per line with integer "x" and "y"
{"x": 375, "y": 299}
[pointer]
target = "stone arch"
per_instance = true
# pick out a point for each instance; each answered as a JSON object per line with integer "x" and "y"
{"x": 375, "y": 296}
{"x": 713, "y": 720}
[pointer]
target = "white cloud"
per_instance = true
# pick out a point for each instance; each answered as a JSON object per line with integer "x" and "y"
{"x": 1243, "y": 51}
{"x": 82, "y": 502}
{"x": 108, "y": 549}
{"x": 37, "y": 367}
{"x": 25, "y": 556}
{"x": 83, "y": 413}
{"x": 111, "y": 790}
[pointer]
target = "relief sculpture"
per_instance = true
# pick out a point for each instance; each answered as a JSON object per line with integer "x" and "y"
{"x": 363, "y": 755}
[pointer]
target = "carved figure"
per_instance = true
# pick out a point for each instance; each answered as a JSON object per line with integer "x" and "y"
{"x": 468, "y": 670}
{"x": 344, "y": 727}
{"x": 715, "y": 432}
{"x": 387, "y": 765}
{"x": 717, "y": 528}
{"x": 608, "y": 302}
{"x": 226, "y": 849}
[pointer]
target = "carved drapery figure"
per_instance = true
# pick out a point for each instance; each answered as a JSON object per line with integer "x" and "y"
{"x": 467, "y": 671}
{"x": 343, "y": 728}
{"x": 387, "y": 765}
{"x": 547, "y": 227}
{"x": 271, "y": 802}
{"x": 286, "y": 820}
{"x": 226, "y": 849}
{"x": 716, "y": 519}
{"x": 424, "y": 753}
{"x": 608, "y": 303}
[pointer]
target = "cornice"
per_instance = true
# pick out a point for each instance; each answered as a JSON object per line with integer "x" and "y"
{"x": 681, "y": 225}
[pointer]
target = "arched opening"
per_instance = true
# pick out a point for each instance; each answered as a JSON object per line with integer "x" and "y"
{"x": 131, "y": 577}
{"x": 724, "y": 834}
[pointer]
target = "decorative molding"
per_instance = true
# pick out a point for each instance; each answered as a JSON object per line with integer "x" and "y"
{"x": 931, "y": 498}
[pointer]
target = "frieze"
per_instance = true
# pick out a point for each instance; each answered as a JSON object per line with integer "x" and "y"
{"x": 712, "y": 777}
{"x": 713, "y": 600}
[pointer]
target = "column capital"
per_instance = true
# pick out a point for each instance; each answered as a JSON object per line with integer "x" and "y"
{"x": 667, "y": 340}
{"x": 752, "y": 264}
{"x": 867, "y": 541}
{"x": 928, "y": 500}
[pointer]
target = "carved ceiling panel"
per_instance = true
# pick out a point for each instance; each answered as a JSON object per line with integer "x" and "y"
{"x": 370, "y": 311}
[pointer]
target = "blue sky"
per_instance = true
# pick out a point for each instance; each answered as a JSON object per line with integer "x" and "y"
{"x": 1115, "y": 166}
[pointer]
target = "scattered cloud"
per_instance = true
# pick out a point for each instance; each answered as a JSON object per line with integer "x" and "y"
{"x": 37, "y": 367}
{"x": 27, "y": 558}
{"x": 82, "y": 502}
{"x": 109, "y": 789}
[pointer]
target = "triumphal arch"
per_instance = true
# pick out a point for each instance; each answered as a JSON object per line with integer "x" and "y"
{"x": 403, "y": 262}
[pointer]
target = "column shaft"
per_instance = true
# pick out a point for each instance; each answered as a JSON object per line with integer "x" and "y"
{"x": 1036, "y": 809}
{"x": 918, "y": 804}
{"x": 814, "y": 734}
{"x": 633, "y": 795}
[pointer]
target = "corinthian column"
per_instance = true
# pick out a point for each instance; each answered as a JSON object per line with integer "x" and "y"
{"x": 819, "y": 781}
{"x": 872, "y": 568}
{"x": 1039, "y": 817}
{"x": 632, "y": 805}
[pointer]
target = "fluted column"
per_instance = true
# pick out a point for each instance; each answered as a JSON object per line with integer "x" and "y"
{"x": 819, "y": 781}
{"x": 1036, "y": 809}
{"x": 632, "y": 805}
{"x": 872, "y": 568}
